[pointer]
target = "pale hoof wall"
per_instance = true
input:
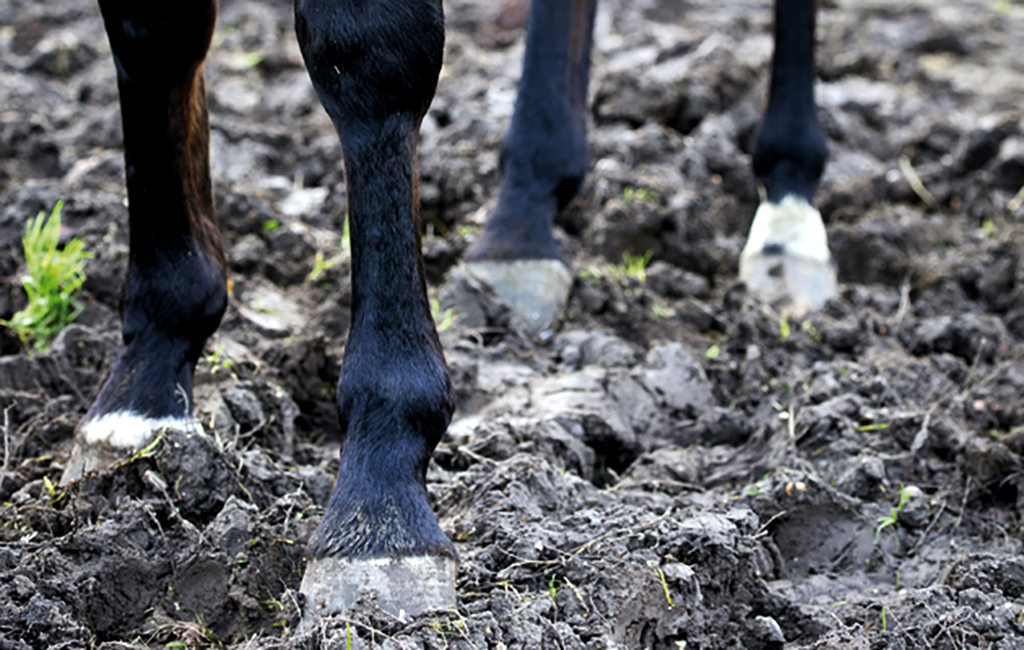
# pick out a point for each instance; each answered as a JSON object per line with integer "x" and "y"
{"x": 536, "y": 290}
{"x": 403, "y": 587}
{"x": 104, "y": 441}
{"x": 787, "y": 258}
{"x": 804, "y": 284}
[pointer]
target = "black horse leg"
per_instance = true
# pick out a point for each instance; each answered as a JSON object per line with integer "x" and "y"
{"x": 174, "y": 294}
{"x": 543, "y": 160}
{"x": 787, "y": 253}
{"x": 375, "y": 64}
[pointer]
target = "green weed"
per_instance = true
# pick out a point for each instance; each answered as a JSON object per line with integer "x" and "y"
{"x": 633, "y": 266}
{"x": 878, "y": 426}
{"x": 52, "y": 282}
{"x": 664, "y": 587}
{"x": 443, "y": 318}
{"x": 812, "y": 333}
{"x": 893, "y": 516}
{"x": 632, "y": 194}
{"x": 249, "y": 60}
{"x": 322, "y": 264}
{"x": 55, "y": 496}
{"x": 784, "y": 330}
{"x": 988, "y": 227}
{"x": 664, "y": 312}
{"x": 553, "y": 587}
{"x": 218, "y": 360}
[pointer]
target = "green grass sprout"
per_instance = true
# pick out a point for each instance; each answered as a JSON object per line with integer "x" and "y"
{"x": 52, "y": 282}
{"x": 633, "y": 266}
{"x": 443, "y": 318}
{"x": 893, "y": 516}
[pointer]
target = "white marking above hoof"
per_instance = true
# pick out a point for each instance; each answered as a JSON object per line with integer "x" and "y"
{"x": 128, "y": 431}
{"x": 787, "y": 255}
{"x": 536, "y": 290}
{"x": 404, "y": 587}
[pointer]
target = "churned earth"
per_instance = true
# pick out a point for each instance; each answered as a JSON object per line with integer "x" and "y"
{"x": 678, "y": 465}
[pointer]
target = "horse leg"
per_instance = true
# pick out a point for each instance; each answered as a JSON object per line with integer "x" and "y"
{"x": 543, "y": 161}
{"x": 787, "y": 252}
{"x": 174, "y": 293}
{"x": 374, "y": 65}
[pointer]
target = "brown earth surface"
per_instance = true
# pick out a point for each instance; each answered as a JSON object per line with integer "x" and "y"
{"x": 678, "y": 466}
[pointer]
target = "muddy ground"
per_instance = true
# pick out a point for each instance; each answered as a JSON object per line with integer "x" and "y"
{"x": 678, "y": 466}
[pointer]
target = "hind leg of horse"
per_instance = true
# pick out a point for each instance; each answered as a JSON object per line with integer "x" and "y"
{"x": 375, "y": 66}
{"x": 174, "y": 293}
{"x": 787, "y": 252}
{"x": 543, "y": 161}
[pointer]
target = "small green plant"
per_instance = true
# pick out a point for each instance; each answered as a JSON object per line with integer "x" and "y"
{"x": 665, "y": 588}
{"x": 632, "y": 194}
{"x": 443, "y": 319}
{"x": 149, "y": 449}
{"x": 633, "y": 266}
{"x": 877, "y": 426}
{"x": 271, "y": 225}
{"x": 553, "y": 587}
{"x": 590, "y": 274}
{"x": 812, "y": 333}
{"x": 664, "y": 312}
{"x": 894, "y": 514}
{"x": 248, "y": 60}
{"x": 784, "y": 330}
{"x": 713, "y": 352}
{"x": 218, "y": 360}
{"x": 55, "y": 496}
{"x": 467, "y": 229}
{"x": 52, "y": 282}
{"x": 989, "y": 227}
{"x": 664, "y": 583}
{"x": 321, "y": 265}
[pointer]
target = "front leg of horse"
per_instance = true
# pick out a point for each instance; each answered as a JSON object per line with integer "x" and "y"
{"x": 375, "y": 66}
{"x": 174, "y": 294}
{"x": 787, "y": 254}
{"x": 543, "y": 161}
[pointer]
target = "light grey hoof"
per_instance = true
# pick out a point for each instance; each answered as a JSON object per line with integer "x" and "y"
{"x": 787, "y": 256}
{"x": 109, "y": 439}
{"x": 805, "y": 284}
{"x": 536, "y": 290}
{"x": 403, "y": 587}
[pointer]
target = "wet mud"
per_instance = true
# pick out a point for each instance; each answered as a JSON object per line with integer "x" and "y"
{"x": 678, "y": 465}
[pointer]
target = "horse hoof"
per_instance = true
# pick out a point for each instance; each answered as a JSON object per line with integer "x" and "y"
{"x": 787, "y": 256}
{"x": 805, "y": 284}
{"x": 403, "y": 587}
{"x": 104, "y": 441}
{"x": 536, "y": 290}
